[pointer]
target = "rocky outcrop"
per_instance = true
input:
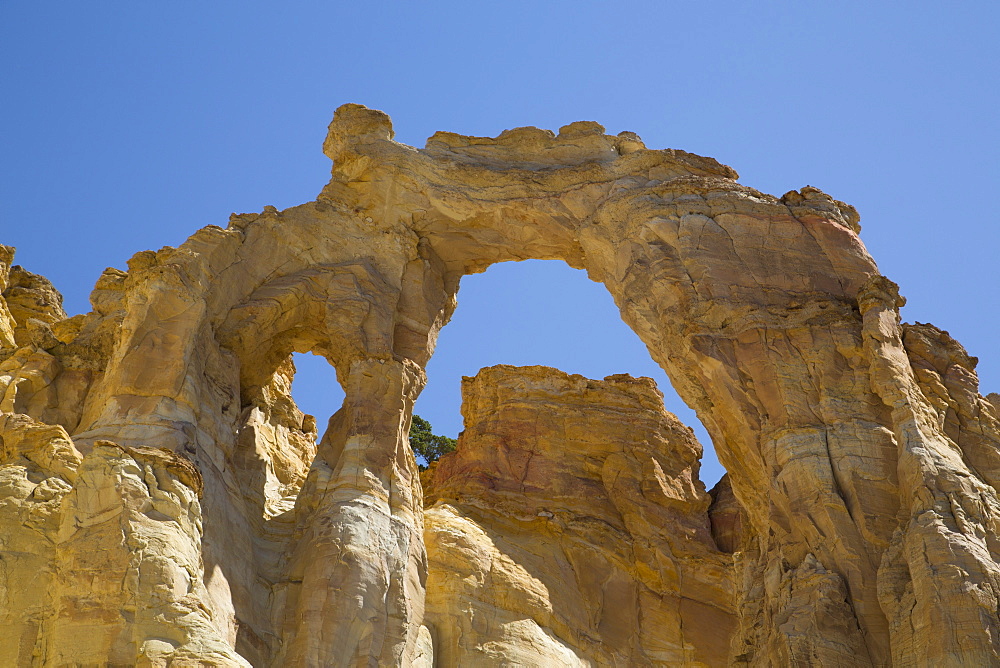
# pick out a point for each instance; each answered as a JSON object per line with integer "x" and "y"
{"x": 858, "y": 448}
{"x": 101, "y": 554}
{"x": 569, "y": 528}
{"x": 32, "y": 305}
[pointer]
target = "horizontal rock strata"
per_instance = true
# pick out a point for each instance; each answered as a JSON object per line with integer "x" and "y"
{"x": 570, "y": 528}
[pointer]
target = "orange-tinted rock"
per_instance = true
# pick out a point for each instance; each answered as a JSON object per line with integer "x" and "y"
{"x": 569, "y": 528}
{"x": 726, "y": 517}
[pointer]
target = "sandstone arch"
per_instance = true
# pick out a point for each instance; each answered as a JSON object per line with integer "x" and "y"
{"x": 768, "y": 315}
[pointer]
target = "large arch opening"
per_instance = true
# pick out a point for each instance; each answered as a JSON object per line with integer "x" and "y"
{"x": 547, "y": 313}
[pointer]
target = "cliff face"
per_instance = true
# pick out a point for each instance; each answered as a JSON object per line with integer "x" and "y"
{"x": 569, "y": 528}
{"x": 161, "y": 499}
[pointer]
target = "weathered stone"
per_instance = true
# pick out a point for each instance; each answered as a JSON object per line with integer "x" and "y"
{"x": 30, "y": 298}
{"x": 7, "y": 322}
{"x": 727, "y": 517}
{"x": 569, "y": 528}
{"x": 860, "y": 451}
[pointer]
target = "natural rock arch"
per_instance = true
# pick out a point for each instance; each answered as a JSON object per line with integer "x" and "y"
{"x": 767, "y": 314}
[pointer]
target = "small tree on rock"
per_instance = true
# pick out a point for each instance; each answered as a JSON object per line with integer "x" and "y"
{"x": 426, "y": 444}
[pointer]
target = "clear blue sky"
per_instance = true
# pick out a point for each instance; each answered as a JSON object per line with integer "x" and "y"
{"x": 128, "y": 125}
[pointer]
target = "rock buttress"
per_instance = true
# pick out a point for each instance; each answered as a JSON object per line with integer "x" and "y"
{"x": 570, "y": 528}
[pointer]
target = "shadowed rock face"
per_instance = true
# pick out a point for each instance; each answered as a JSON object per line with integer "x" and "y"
{"x": 859, "y": 449}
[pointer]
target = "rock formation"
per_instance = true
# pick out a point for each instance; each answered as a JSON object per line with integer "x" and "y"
{"x": 162, "y": 502}
{"x": 570, "y": 528}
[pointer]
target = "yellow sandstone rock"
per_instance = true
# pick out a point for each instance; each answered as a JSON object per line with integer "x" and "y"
{"x": 570, "y": 528}
{"x": 162, "y": 502}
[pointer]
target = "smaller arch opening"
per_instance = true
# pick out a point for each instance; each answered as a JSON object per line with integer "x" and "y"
{"x": 278, "y": 435}
{"x": 316, "y": 390}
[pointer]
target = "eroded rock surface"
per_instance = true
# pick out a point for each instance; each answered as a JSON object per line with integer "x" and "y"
{"x": 570, "y": 528}
{"x": 859, "y": 449}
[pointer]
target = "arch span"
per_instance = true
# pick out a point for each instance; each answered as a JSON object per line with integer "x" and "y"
{"x": 746, "y": 300}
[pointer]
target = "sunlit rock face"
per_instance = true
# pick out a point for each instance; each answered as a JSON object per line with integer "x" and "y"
{"x": 570, "y": 528}
{"x": 161, "y": 499}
